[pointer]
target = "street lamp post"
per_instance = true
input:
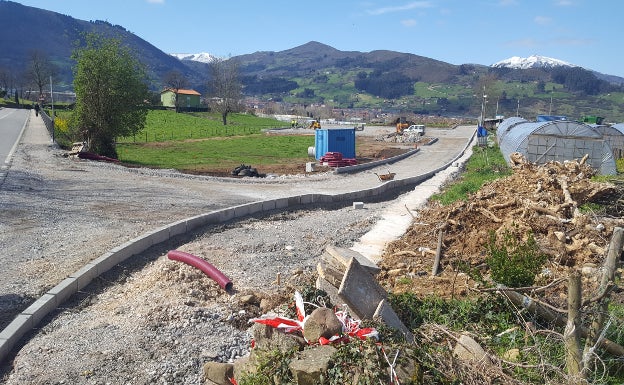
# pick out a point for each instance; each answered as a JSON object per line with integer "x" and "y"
{"x": 483, "y": 103}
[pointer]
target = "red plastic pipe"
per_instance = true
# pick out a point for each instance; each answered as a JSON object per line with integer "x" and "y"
{"x": 202, "y": 265}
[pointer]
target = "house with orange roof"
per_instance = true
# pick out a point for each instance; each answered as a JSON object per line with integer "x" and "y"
{"x": 186, "y": 98}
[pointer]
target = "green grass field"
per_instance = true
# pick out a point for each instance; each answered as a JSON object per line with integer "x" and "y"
{"x": 218, "y": 154}
{"x": 199, "y": 142}
{"x": 164, "y": 125}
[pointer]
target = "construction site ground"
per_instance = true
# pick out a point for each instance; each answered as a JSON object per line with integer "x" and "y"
{"x": 156, "y": 321}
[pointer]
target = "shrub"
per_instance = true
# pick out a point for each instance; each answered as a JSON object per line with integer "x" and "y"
{"x": 512, "y": 262}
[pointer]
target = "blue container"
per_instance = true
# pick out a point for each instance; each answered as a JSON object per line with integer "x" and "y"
{"x": 335, "y": 140}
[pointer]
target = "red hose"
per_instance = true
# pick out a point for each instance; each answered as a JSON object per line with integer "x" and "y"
{"x": 202, "y": 265}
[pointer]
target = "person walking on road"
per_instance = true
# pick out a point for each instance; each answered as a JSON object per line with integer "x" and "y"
{"x": 36, "y": 109}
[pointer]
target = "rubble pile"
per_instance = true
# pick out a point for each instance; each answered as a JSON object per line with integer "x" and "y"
{"x": 548, "y": 201}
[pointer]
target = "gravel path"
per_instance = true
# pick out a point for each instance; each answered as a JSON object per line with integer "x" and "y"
{"x": 150, "y": 320}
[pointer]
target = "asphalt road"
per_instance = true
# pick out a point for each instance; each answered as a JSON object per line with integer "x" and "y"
{"x": 11, "y": 123}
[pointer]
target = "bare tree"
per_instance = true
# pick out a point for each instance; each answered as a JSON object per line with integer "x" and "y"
{"x": 225, "y": 87}
{"x": 39, "y": 70}
{"x": 175, "y": 81}
{"x": 5, "y": 81}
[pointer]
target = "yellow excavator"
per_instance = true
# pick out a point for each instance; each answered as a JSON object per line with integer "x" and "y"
{"x": 316, "y": 124}
{"x": 402, "y": 124}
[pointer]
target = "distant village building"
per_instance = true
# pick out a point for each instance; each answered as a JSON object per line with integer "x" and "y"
{"x": 186, "y": 98}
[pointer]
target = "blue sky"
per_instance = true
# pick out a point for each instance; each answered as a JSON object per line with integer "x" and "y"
{"x": 582, "y": 32}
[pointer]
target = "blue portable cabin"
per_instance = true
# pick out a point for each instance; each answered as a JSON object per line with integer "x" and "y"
{"x": 334, "y": 140}
{"x": 556, "y": 140}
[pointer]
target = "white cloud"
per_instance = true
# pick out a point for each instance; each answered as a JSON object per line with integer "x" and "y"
{"x": 156, "y": 1}
{"x": 542, "y": 20}
{"x": 564, "y": 3}
{"x": 400, "y": 8}
{"x": 409, "y": 22}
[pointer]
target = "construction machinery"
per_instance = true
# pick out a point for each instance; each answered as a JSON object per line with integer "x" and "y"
{"x": 316, "y": 124}
{"x": 402, "y": 124}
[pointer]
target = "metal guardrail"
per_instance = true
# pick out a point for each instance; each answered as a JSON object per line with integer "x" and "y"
{"x": 49, "y": 123}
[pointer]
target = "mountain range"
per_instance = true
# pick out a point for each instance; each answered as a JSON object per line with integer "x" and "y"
{"x": 202, "y": 57}
{"x": 310, "y": 73}
{"x": 533, "y": 61}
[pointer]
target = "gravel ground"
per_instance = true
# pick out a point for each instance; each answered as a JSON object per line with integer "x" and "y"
{"x": 156, "y": 321}
{"x": 151, "y": 320}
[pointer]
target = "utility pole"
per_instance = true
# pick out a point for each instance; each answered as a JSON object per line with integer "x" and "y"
{"x": 483, "y": 102}
{"x": 52, "y": 102}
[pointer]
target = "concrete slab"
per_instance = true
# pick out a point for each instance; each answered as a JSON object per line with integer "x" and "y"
{"x": 294, "y": 201}
{"x": 177, "y": 228}
{"x": 105, "y": 262}
{"x": 5, "y": 346}
{"x": 344, "y": 256}
{"x": 306, "y": 199}
{"x": 14, "y": 331}
{"x": 85, "y": 275}
{"x": 247, "y": 209}
{"x": 329, "y": 273}
{"x": 281, "y": 203}
{"x": 64, "y": 290}
{"x": 386, "y": 313}
{"x": 134, "y": 246}
{"x": 40, "y": 308}
{"x": 159, "y": 235}
{"x": 197, "y": 221}
{"x": 360, "y": 291}
{"x": 331, "y": 291}
{"x": 268, "y": 205}
{"x": 225, "y": 215}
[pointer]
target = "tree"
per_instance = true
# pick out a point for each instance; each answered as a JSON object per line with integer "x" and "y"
{"x": 225, "y": 87}
{"x": 176, "y": 81}
{"x": 111, "y": 91}
{"x": 39, "y": 70}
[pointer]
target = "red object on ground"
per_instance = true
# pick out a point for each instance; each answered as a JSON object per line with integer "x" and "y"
{"x": 202, "y": 265}
{"x": 335, "y": 159}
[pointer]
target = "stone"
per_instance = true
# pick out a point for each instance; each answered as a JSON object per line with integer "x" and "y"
{"x": 467, "y": 349}
{"x": 408, "y": 369}
{"x": 244, "y": 366}
{"x": 218, "y": 372}
{"x": 311, "y": 365}
{"x": 322, "y": 322}
{"x": 268, "y": 338}
{"x": 248, "y": 299}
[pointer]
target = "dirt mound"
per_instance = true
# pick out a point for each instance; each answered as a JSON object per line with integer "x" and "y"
{"x": 540, "y": 200}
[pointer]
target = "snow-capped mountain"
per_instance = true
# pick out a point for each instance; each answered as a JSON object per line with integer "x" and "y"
{"x": 533, "y": 61}
{"x": 202, "y": 57}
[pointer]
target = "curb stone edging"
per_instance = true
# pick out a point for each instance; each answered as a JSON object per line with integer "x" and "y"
{"x": 48, "y": 302}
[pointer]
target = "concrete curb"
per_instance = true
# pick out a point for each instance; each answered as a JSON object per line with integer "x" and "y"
{"x": 48, "y": 302}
